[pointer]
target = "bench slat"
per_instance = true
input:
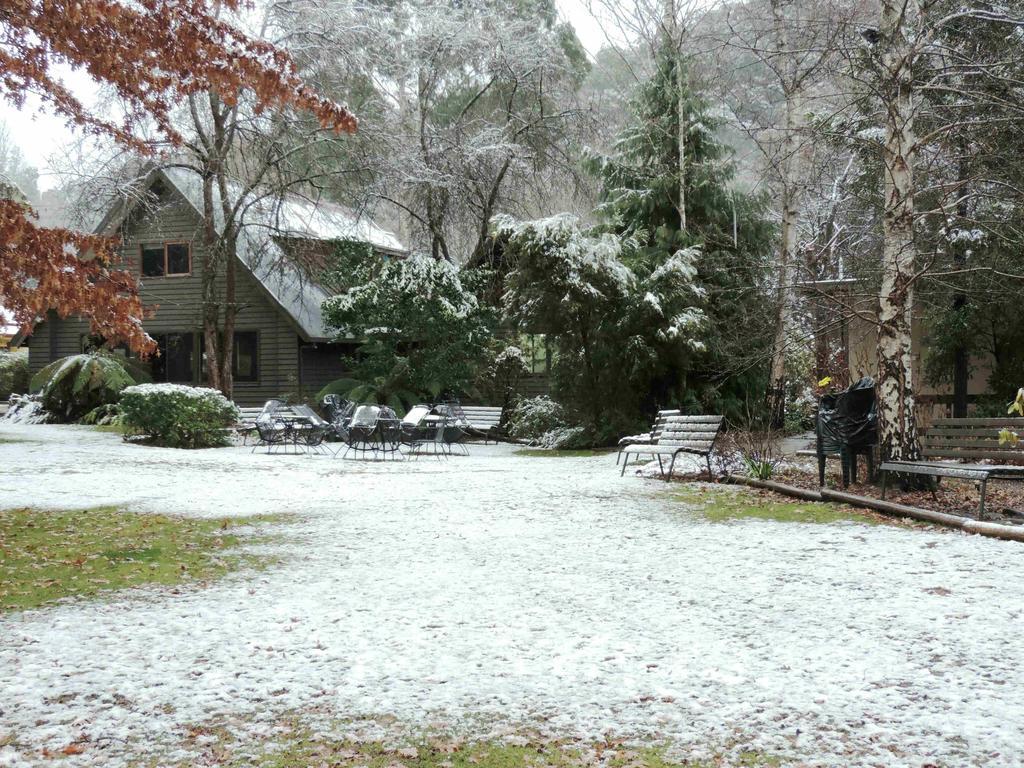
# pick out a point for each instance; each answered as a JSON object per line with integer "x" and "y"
{"x": 934, "y": 470}
{"x": 979, "y": 422}
{"x": 960, "y": 442}
{"x": 700, "y": 434}
{"x": 975, "y": 453}
{"x": 663, "y": 449}
{"x": 965, "y": 432}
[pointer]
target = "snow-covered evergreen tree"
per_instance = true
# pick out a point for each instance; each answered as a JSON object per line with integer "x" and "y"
{"x": 723, "y": 228}
{"x": 618, "y": 334}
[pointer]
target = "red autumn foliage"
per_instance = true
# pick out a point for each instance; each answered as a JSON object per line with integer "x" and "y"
{"x": 154, "y": 53}
{"x": 41, "y": 269}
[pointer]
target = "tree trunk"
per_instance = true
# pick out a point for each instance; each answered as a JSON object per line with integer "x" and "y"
{"x": 785, "y": 299}
{"x": 673, "y": 44}
{"x": 211, "y": 305}
{"x": 897, "y": 424}
{"x": 588, "y": 362}
{"x": 961, "y": 355}
{"x": 227, "y": 378}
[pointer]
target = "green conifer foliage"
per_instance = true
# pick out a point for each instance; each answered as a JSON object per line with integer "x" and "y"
{"x": 727, "y": 226}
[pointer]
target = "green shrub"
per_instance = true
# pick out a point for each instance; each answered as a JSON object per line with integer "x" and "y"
{"x": 423, "y": 331}
{"x": 13, "y": 373}
{"x": 71, "y": 387}
{"x": 178, "y": 416}
{"x": 499, "y": 381}
{"x": 532, "y": 418}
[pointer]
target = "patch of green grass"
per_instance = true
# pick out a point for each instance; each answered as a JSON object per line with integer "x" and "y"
{"x": 117, "y": 429}
{"x": 559, "y": 454}
{"x": 721, "y": 505}
{"x": 45, "y": 555}
{"x": 294, "y": 746}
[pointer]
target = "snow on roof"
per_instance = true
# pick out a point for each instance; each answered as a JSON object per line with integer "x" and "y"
{"x": 266, "y": 217}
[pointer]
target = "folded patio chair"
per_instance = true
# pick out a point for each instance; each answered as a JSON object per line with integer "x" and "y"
{"x": 423, "y": 432}
{"x": 339, "y": 411}
{"x": 414, "y": 426}
{"x": 455, "y": 429}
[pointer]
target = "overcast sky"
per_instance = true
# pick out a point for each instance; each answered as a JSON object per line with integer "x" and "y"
{"x": 39, "y": 134}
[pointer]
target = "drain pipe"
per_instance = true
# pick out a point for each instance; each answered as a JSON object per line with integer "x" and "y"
{"x": 771, "y": 485}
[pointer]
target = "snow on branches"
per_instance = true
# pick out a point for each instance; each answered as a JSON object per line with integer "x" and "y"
{"x": 154, "y": 55}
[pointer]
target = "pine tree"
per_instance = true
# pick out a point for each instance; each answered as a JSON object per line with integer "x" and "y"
{"x": 640, "y": 199}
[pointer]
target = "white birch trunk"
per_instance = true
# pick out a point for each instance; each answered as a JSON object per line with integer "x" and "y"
{"x": 897, "y": 424}
{"x": 785, "y": 298}
{"x": 673, "y": 42}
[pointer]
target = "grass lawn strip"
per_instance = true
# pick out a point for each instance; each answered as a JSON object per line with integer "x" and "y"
{"x": 49, "y": 555}
{"x": 291, "y": 744}
{"x": 721, "y": 505}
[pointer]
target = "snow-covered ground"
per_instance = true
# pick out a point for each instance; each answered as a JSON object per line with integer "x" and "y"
{"x": 496, "y": 589}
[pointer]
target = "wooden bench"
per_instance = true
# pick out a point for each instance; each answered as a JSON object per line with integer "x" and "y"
{"x": 963, "y": 439}
{"x": 248, "y": 415}
{"x": 695, "y": 435}
{"x": 646, "y": 438}
{"x": 484, "y": 419}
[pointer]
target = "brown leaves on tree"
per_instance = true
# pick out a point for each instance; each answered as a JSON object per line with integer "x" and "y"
{"x": 42, "y": 269}
{"x": 154, "y": 53}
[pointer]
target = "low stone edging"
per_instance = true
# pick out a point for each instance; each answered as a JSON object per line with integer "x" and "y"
{"x": 966, "y": 524}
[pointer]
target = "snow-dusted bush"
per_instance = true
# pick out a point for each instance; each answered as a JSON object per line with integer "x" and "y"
{"x": 561, "y": 438}
{"x": 625, "y": 331}
{"x": 178, "y": 416}
{"x": 422, "y": 328}
{"x": 71, "y": 387}
{"x": 533, "y": 418}
{"x": 13, "y": 373}
{"x": 500, "y": 380}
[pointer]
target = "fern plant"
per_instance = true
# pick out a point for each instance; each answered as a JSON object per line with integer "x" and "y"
{"x": 71, "y": 387}
{"x": 381, "y": 390}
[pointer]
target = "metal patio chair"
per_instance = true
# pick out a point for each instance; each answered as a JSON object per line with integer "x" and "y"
{"x": 389, "y": 434}
{"x": 422, "y": 432}
{"x": 310, "y": 433}
{"x": 361, "y": 431}
{"x": 274, "y": 431}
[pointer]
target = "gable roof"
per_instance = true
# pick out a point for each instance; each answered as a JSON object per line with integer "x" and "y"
{"x": 265, "y": 218}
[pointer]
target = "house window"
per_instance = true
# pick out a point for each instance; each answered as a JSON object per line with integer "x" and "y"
{"x": 175, "y": 363}
{"x": 166, "y": 259}
{"x": 244, "y": 360}
{"x": 152, "y": 261}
